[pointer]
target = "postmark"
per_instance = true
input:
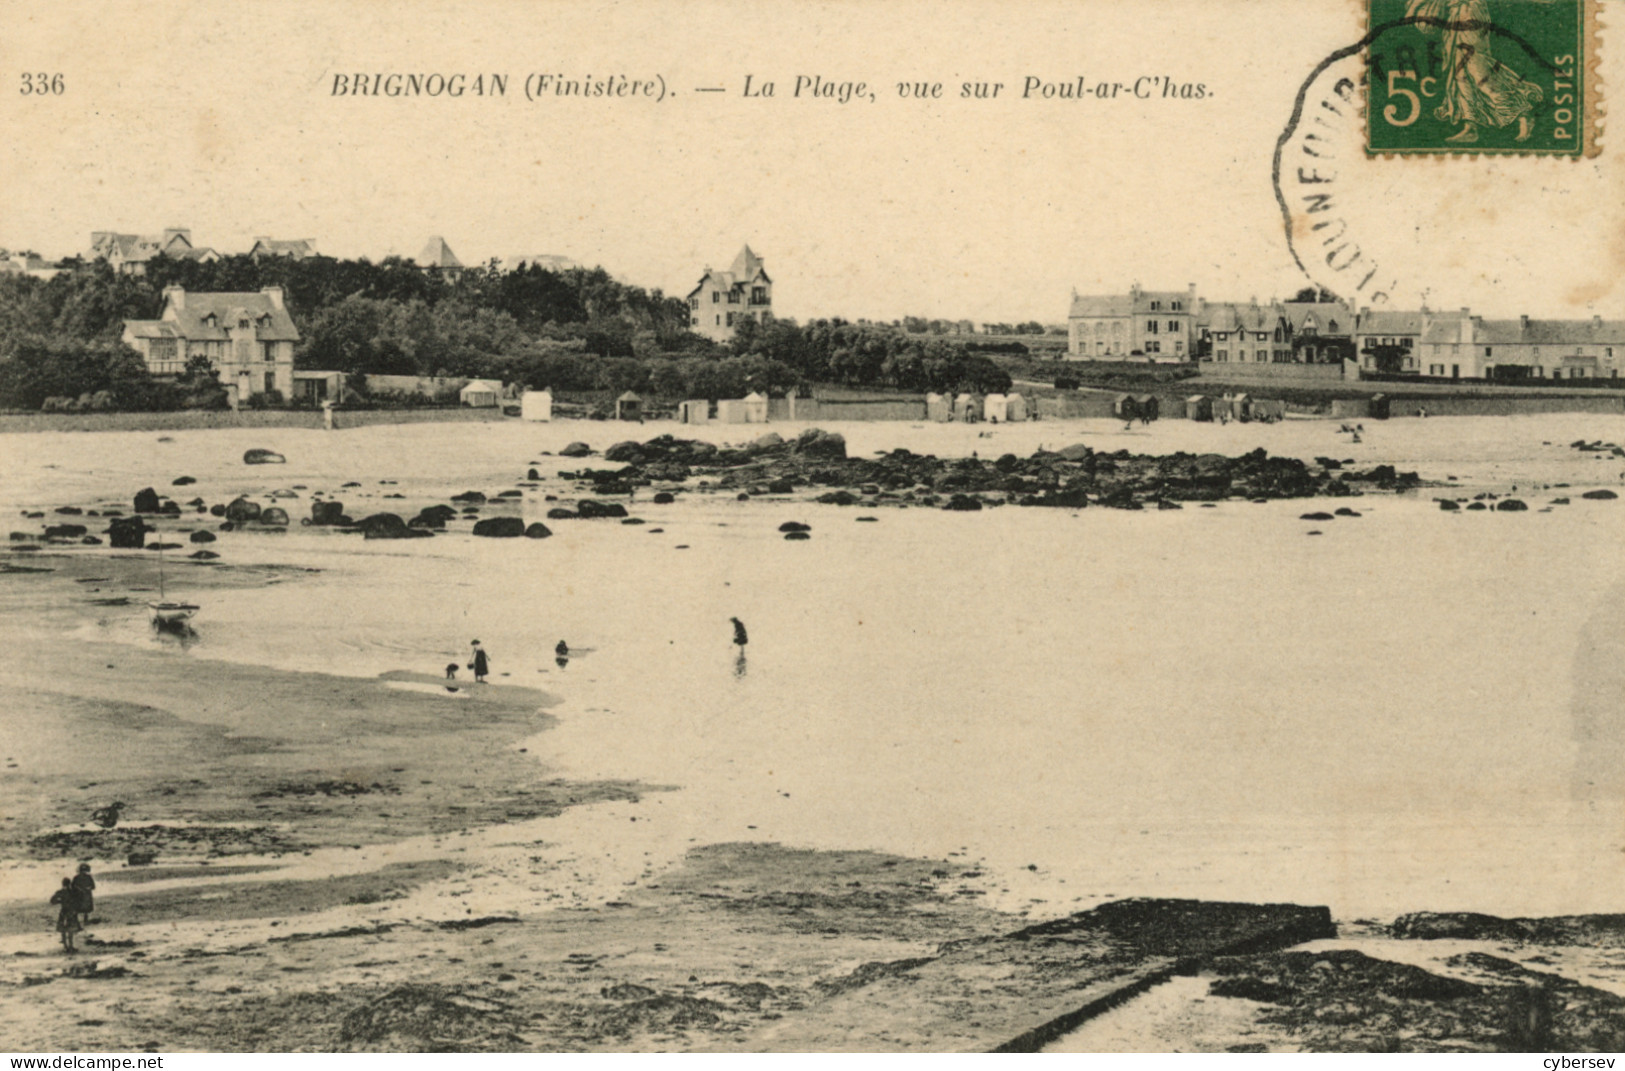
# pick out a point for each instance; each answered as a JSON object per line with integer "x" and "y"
{"x": 1474, "y": 77}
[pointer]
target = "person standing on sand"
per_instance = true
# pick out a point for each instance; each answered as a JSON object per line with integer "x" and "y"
{"x": 67, "y": 916}
{"x": 740, "y": 637}
{"x": 85, "y": 886}
{"x": 481, "y": 665}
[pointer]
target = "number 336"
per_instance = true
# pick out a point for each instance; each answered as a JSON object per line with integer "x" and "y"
{"x": 42, "y": 85}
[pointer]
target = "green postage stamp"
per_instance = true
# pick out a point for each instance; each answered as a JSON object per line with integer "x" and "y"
{"x": 1482, "y": 76}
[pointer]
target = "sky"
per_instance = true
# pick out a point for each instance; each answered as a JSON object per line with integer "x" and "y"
{"x": 224, "y": 119}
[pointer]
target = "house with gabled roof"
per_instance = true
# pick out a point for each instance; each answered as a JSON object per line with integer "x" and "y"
{"x": 129, "y": 254}
{"x": 724, "y": 299}
{"x": 1322, "y": 331}
{"x": 297, "y": 248}
{"x": 248, "y": 339}
{"x": 1235, "y": 332}
{"x": 437, "y": 254}
{"x": 1471, "y": 347}
{"x": 1142, "y": 325}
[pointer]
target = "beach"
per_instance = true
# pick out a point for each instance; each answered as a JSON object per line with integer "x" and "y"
{"x": 945, "y": 726}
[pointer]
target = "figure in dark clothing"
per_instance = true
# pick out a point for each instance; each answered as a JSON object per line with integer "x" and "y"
{"x": 740, "y": 637}
{"x": 562, "y": 650}
{"x": 85, "y": 886}
{"x": 481, "y": 665}
{"x": 67, "y": 916}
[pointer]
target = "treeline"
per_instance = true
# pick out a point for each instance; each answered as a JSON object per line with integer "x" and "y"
{"x": 576, "y": 329}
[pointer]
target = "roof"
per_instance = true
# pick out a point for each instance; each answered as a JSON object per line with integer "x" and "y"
{"x": 1107, "y": 305}
{"x": 203, "y": 254}
{"x": 1298, "y": 313}
{"x": 629, "y": 397}
{"x": 437, "y": 254}
{"x": 137, "y": 246}
{"x": 208, "y": 316}
{"x": 482, "y": 386}
{"x": 284, "y": 247}
{"x": 1446, "y": 329}
{"x": 747, "y": 267}
{"x": 548, "y": 261}
{"x": 1235, "y": 316}
{"x": 1549, "y": 332}
{"x": 1391, "y": 322}
{"x": 151, "y": 329}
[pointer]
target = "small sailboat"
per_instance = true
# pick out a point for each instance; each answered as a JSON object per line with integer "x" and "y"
{"x": 167, "y": 614}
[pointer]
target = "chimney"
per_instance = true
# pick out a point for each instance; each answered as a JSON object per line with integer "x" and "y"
{"x": 175, "y": 297}
{"x": 1523, "y": 321}
{"x": 1596, "y": 323}
{"x": 275, "y": 294}
{"x": 181, "y": 232}
{"x": 258, "y": 238}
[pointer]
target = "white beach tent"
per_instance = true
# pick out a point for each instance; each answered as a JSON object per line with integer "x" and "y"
{"x": 755, "y": 408}
{"x": 480, "y": 393}
{"x": 993, "y": 408}
{"x": 536, "y": 405}
{"x": 1015, "y": 407}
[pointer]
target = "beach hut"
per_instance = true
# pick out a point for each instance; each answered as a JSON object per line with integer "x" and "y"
{"x": 993, "y": 409}
{"x": 1269, "y": 409}
{"x": 1239, "y": 406}
{"x": 1123, "y": 407}
{"x": 1146, "y": 406}
{"x": 1015, "y": 408}
{"x": 480, "y": 393}
{"x": 536, "y": 405}
{"x": 1198, "y": 407}
{"x": 755, "y": 408}
{"x": 939, "y": 407}
{"x": 629, "y": 407}
{"x": 730, "y": 411}
{"x": 1378, "y": 407}
{"x": 968, "y": 408}
{"x": 694, "y": 411}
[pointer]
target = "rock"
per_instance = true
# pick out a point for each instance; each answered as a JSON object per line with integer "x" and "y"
{"x": 500, "y": 527}
{"x": 1315, "y": 517}
{"x": 869, "y": 519}
{"x": 263, "y": 457}
{"x": 388, "y": 526}
{"x": 533, "y": 475}
{"x": 1510, "y": 505}
{"x": 588, "y": 508}
{"x": 1476, "y": 506}
{"x": 353, "y": 483}
{"x": 1602, "y": 495}
{"x": 576, "y": 450}
{"x": 664, "y": 498}
{"x": 510, "y": 494}
{"x": 634, "y": 520}
{"x": 1163, "y": 503}
{"x": 197, "y": 504}
{"x": 538, "y": 530}
{"x": 275, "y": 515}
{"x": 91, "y": 541}
{"x": 1344, "y": 511}
{"x": 69, "y": 511}
{"x": 843, "y": 498}
{"x": 163, "y": 546}
{"x": 766, "y": 442}
{"x": 1447, "y": 505}
{"x": 795, "y": 526}
{"x": 241, "y": 509}
{"x": 146, "y": 500}
{"x": 1560, "y": 501}
{"x": 283, "y": 492}
{"x": 629, "y": 452}
{"x": 469, "y": 496}
{"x": 742, "y": 497}
{"x": 326, "y": 513}
{"x": 217, "y": 510}
{"x": 1076, "y": 452}
{"x": 203, "y": 555}
{"x": 203, "y": 537}
{"x": 128, "y": 533}
{"x": 781, "y": 487}
{"x": 964, "y": 503}
{"x": 815, "y": 442}
{"x": 65, "y": 531}
{"x": 166, "y": 506}
{"x": 559, "y": 513}
{"x": 798, "y": 535}
{"x": 434, "y": 516}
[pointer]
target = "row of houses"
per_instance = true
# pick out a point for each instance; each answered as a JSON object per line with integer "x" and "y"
{"x": 131, "y": 254}
{"x": 1171, "y": 326}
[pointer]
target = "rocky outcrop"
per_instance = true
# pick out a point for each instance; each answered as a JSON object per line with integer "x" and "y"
{"x": 202, "y": 537}
{"x": 259, "y": 456}
{"x": 589, "y": 508}
{"x": 274, "y": 515}
{"x": 537, "y": 530}
{"x": 388, "y": 526}
{"x": 576, "y": 450}
{"x": 327, "y": 512}
{"x": 240, "y": 510}
{"x": 433, "y": 517}
{"x": 127, "y": 533}
{"x": 146, "y": 500}
{"x": 500, "y": 527}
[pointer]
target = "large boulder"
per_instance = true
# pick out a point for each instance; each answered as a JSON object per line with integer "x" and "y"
{"x": 538, "y": 530}
{"x": 470, "y": 497}
{"x": 559, "y": 513}
{"x": 767, "y": 442}
{"x": 388, "y": 526}
{"x": 146, "y": 500}
{"x": 201, "y": 536}
{"x": 1076, "y": 452}
{"x": 1601, "y": 495}
{"x": 263, "y": 457}
{"x": 589, "y": 508}
{"x": 629, "y": 452}
{"x": 129, "y": 533}
{"x": 275, "y": 515}
{"x": 816, "y": 442}
{"x": 65, "y": 531}
{"x": 500, "y": 527}
{"x": 1511, "y": 505}
{"x": 326, "y": 512}
{"x": 576, "y": 450}
{"x": 242, "y": 509}
{"x": 434, "y": 516}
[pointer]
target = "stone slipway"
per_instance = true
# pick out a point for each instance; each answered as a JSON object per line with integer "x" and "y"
{"x": 1018, "y": 991}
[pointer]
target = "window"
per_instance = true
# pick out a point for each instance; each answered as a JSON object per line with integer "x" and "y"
{"x": 1156, "y": 306}
{"x": 268, "y": 351}
{"x": 270, "y": 381}
{"x": 716, "y": 297}
{"x": 1489, "y": 351}
{"x": 1277, "y": 334}
{"x": 1224, "y": 355}
{"x": 694, "y": 321}
{"x": 1332, "y": 326}
{"x": 1224, "y": 336}
{"x": 733, "y": 297}
{"x": 1173, "y": 327}
{"x": 730, "y": 319}
{"x": 693, "y": 302}
{"x": 1176, "y": 306}
{"x": 1309, "y": 328}
{"x": 758, "y": 295}
{"x": 719, "y": 321}
{"x": 1179, "y": 347}
{"x": 1153, "y": 347}
{"x": 1151, "y": 327}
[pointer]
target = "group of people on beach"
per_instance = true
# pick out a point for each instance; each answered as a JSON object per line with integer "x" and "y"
{"x": 75, "y": 901}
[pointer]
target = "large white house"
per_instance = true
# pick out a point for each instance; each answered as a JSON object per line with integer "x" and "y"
{"x": 247, "y": 337}
{"x": 724, "y": 299}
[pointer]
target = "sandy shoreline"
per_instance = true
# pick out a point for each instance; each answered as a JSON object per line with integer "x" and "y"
{"x": 353, "y": 861}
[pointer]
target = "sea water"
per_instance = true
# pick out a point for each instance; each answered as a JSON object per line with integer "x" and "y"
{"x": 1414, "y": 709}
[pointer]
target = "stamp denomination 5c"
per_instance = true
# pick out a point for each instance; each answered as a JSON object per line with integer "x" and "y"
{"x": 1482, "y": 76}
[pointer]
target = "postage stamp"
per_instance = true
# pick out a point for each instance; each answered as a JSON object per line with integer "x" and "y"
{"x": 1462, "y": 77}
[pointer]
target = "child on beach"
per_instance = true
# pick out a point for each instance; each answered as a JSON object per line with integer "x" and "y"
{"x": 67, "y": 916}
{"x": 481, "y": 665}
{"x": 85, "y": 886}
